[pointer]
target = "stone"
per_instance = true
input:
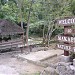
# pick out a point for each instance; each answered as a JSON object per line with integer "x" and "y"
{"x": 64, "y": 58}
{"x": 64, "y": 69}
{"x": 49, "y": 71}
{"x": 53, "y": 65}
{"x": 73, "y": 62}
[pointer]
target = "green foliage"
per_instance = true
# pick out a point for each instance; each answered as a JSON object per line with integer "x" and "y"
{"x": 57, "y": 31}
{"x": 37, "y": 28}
{"x": 8, "y": 11}
{"x": 72, "y": 7}
{"x": 42, "y": 10}
{"x": 3, "y": 2}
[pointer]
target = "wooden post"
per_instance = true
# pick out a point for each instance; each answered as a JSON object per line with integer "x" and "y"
{"x": 66, "y": 53}
{"x": 67, "y": 22}
{"x": 22, "y": 48}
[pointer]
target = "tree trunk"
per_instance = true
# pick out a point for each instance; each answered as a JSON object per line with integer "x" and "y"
{"x": 43, "y": 35}
{"x": 49, "y": 34}
{"x": 27, "y": 29}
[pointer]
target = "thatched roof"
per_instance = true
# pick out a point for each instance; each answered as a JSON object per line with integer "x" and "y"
{"x": 9, "y": 28}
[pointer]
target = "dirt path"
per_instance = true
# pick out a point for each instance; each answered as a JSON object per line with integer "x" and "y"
{"x": 10, "y": 63}
{"x": 21, "y": 66}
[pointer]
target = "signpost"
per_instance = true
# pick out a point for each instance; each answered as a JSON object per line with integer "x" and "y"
{"x": 66, "y": 47}
{"x": 66, "y": 21}
{"x": 67, "y": 38}
{"x": 68, "y": 30}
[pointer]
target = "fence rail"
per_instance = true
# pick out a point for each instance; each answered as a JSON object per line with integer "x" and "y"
{"x": 11, "y": 44}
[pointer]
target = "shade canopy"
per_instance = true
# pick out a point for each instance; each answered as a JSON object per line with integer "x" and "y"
{"x": 9, "y": 28}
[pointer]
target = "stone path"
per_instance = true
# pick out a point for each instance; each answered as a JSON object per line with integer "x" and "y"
{"x": 41, "y": 55}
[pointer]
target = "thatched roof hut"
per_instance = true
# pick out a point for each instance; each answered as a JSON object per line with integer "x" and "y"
{"x": 9, "y": 28}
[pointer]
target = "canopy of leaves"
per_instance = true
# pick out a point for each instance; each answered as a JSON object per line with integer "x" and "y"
{"x": 45, "y": 11}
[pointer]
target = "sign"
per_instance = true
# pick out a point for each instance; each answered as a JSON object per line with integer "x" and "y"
{"x": 69, "y": 21}
{"x": 68, "y": 39}
{"x": 68, "y": 31}
{"x": 66, "y": 47}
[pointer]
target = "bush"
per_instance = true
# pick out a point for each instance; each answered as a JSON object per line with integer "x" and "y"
{"x": 57, "y": 31}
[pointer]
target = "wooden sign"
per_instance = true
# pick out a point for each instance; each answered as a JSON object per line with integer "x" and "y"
{"x": 66, "y": 47}
{"x": 67, "y": 21}
{"x": 68, "y": 30}
{"x": 68, "y": 39}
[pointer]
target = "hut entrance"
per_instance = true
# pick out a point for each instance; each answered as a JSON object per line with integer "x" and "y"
{"x": 10, "y": 35}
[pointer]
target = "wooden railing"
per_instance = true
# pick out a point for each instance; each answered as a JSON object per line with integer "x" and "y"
{"x": 11, "y": 44}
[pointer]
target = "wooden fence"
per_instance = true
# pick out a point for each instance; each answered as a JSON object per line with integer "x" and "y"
{"x": 11, "y": 44}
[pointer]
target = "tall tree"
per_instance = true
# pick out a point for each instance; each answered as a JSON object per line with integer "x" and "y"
{"x": 27, "y": 30}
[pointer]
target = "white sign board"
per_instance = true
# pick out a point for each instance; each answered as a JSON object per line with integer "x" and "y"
{"x": 68, "y": 39}
{"x": 68, "y": 21}
{"x": 66, "y": 47}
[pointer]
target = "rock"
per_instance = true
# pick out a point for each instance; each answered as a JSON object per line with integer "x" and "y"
{"x": 73, "y": 62}
{"x": 49, "y": 71}
{"x": 64, "y": 69}
{"x": 53, "y": 65}
{"x": 64, "y": 58}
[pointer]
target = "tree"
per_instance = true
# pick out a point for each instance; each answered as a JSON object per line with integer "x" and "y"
{"x": 37, "y": 11}
{"x": 27, "y": 30}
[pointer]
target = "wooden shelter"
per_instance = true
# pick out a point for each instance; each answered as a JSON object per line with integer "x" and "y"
{"x": 9, "y": 29}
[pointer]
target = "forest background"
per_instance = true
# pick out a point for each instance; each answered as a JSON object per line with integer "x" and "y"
{"x": 37, "y": 17}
